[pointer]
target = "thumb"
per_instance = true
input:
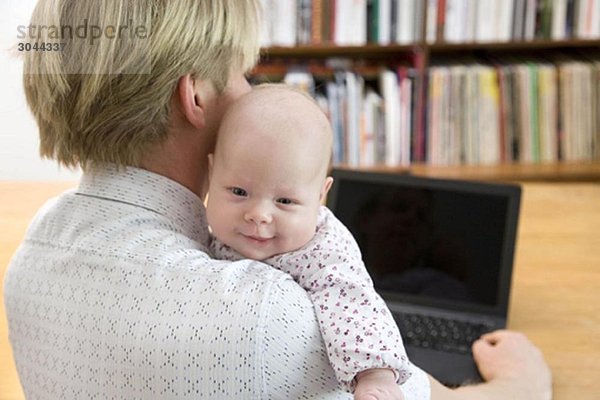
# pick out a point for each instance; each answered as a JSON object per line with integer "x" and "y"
{"x": 481, "y": 348}
{"x": 482, "y": 354}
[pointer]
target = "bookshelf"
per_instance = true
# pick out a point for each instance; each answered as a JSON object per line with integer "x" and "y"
{"x": 538, "y": 138}
{"x": 562, "y": 172}
{"x": 395, "y": 50}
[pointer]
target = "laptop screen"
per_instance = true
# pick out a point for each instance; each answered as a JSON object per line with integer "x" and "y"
{"x": 432, "y": 242}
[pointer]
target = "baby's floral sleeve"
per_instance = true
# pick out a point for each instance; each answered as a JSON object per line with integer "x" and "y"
{"x": 357, "y": 327}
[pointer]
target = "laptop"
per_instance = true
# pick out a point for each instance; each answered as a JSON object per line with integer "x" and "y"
{"x": 440, "y": 253}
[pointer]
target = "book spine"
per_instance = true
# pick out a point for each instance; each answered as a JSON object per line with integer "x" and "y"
{"x": 440, "y": 20}
{"x": 432, "y": 12}
{"x": 559, "y": 19}
{"x": 316, "y": 27}
{"x": 373, "y": 21}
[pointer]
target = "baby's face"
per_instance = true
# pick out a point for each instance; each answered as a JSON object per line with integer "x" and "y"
{"x": 267, "y": 175}
{"x": 262, "y": 204}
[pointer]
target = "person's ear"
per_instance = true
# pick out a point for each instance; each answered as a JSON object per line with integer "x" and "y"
{"x": 193, "y": 99}
{"x": 325, "y": 189}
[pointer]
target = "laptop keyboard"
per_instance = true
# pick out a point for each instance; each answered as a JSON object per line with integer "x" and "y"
{"x": 439, "y": 333}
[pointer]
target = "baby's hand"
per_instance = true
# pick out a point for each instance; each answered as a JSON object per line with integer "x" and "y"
{"x": 377, "y": 384}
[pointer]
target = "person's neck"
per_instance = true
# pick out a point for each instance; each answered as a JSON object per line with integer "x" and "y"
{"x": 181, "y": 160}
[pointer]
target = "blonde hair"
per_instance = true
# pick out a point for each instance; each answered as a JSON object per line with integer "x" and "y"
{"x": 108, "y": 102}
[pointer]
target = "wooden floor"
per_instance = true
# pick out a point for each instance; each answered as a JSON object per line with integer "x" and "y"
{"x": 556, "y": 287}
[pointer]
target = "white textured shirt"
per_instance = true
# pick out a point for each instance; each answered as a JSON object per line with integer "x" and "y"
{"x": 111, "y": 295}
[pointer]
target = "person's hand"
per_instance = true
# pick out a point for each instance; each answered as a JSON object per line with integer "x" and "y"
{"x": 510, "y": 357}
{"x": 377, "y": 384}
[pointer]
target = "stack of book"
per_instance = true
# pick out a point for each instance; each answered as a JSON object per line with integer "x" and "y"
{"x": 385, "y": 22}
{"x": 478, "y": 111}
{"x": 464, "y": 21}
{"x": 341, "y": 22}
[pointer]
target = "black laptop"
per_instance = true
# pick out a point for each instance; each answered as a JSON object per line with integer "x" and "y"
{"x": 440, "y": 253}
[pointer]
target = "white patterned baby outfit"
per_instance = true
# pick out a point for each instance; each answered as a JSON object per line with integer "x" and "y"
{"x": 357, "y": 327}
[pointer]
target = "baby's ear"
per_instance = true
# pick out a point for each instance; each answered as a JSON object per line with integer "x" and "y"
{"x": 325, "y": 189}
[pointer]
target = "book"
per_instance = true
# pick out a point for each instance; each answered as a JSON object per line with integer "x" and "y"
{"x": 440, "y": 20}
{"x": 405, "y": 21}
{"x": 534, "y": 109}
{"x": 543, "y": 22}
{"x": 529, "y": 24}
{"x": 334, "y": 94}
{"x": 559, "y": 19}
{"x": 485, "y": 21}
{"x": 384, "y": 34}
{"x": 518, "y": 31}
{"x": 373, "y": 21}
{"x": 390, "y": 92}
{"x": 343, "y": 20}
{"x": 350, "y": 26}
{"x": 525, "y": 112}
{"x": 371, "y": 153}
{"x": 455, "y": 20}
{"x": 431, "y": 24}
{"x": 420, "y": 104}
{"x": 325, "y": 22}
{"x": 570, "y": 23}
{"x": 470, "y": 25}
{"x": 434, "y": 114}
{"x": 316, "y": 27}
{"x": 304, "y": 22}
{"x": 470, "y": 143}
{"x": 405, "y": 119}
{"x": 504, "y": 20}
{"x": 354, "y": 89}
{"x": 548, "y": 113}
{"x": 504, "y": 123}
{"x": 489, "y": 143}
{"x": 455, "y": 114}
{"x": 419, "y": 20}
{"x": 393, "y": 20}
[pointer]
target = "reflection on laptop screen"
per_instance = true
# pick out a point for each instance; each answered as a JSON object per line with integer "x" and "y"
{"x": 427, "y": 242}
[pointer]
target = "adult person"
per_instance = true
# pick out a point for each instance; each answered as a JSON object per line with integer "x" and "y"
{"x": 112, "y": 293}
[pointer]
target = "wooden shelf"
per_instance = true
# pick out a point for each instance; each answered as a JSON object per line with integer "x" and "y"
{"x": 328, "y": 51}
{"x": 558, "y": 172}
{"x": 376, "y": 51}
{"x": 514, "y": 46}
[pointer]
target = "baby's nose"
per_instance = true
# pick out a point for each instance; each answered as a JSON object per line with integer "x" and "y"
{"x": 259, "y": 215}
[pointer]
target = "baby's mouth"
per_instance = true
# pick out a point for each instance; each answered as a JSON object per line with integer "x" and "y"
{"x": 257, "y": 238}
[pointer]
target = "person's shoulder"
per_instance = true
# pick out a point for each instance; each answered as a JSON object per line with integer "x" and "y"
{"x": 50, "y": 211}
{"x": 53, "y": 204}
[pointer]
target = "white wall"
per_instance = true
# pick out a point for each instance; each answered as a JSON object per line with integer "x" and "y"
{"x": 19, "y": 155}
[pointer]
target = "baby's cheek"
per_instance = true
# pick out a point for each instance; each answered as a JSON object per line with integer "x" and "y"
{"x": 216, "y": 222}
{"x": 302, "y": 232}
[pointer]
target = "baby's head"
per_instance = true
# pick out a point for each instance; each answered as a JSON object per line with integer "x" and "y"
{"x": 268, "y": 174}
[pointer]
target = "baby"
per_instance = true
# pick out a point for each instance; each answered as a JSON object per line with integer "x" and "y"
{"x": 268, "y": 178}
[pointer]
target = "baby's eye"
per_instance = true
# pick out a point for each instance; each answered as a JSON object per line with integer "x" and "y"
{"x": 285, "y": 201}
{"x": 239, "y": 192}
